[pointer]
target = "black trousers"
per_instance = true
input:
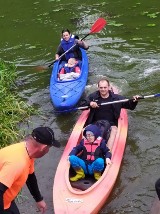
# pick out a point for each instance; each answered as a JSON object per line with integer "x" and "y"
{"x": 13, "y": 209}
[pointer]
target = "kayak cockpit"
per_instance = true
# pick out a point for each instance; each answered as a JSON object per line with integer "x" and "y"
{"x": 82, "y": 184}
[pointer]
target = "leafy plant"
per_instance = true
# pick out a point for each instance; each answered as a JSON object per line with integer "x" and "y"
{"x": 150, "y": 15}
{"x": 151, "y": 25}
{"x": 12, "y": 109}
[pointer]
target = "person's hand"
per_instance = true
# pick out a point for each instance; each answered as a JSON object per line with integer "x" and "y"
{"x": 56, "y": 57}
{"x": 42, "y": 206}
{"x": 108, "y": 161}
{"x": 93, "y": 105}
{"x": 79, "y": 42}
{"x": 136, "y": 97}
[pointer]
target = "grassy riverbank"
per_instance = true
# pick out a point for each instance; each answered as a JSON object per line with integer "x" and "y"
{"x": 12, "y": 109}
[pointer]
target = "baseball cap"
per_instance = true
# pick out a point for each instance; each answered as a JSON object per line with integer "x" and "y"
{"x": 45, "y": 135}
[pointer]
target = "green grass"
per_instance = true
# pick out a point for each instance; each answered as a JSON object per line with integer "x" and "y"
{"x": 12, "y": 109}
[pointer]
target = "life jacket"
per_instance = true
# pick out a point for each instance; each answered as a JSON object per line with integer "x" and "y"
{"x": 66, "y": 45}
{"x": 92, "y": 150}
{"x": 67, "y": 69}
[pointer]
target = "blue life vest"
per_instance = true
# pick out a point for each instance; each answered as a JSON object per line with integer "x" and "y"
{"x": 67, "y": 45}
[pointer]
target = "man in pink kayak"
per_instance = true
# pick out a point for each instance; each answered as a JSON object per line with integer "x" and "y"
{"x": 108, "y": 113}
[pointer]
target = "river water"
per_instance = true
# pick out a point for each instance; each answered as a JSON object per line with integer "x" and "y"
{"x": 127, "y": 51}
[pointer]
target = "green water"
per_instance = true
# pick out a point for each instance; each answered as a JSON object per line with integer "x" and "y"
{"x": 127, "y": 51}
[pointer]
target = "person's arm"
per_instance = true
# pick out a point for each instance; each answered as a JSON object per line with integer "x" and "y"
{"x": 108, "y": 156}
{"x": 106, "y": 150}
{"x": 131, "y": 104}
{"x": 59, "y": 52}
{"x": 3, "y": 188}
{"x": 34, "y": 190}
{"x": 33, "y": 187}
{"x": 77, "y": 149}
{"x": 82, "y": 44}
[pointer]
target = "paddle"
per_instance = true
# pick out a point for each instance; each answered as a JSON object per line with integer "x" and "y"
{"x": 96, "y": 27}
{"x": 109, "y": 103}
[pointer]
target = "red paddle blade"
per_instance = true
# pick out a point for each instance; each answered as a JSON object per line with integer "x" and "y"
{"x": 98, "y": 25}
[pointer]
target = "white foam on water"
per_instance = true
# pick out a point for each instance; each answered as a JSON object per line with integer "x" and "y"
{"x": 132, "y": 59}
{"x": 151, "y": 70}
{"x": 89, "y": 86}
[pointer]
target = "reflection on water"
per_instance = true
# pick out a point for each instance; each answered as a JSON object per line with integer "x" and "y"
{"x": 128, "y": 55}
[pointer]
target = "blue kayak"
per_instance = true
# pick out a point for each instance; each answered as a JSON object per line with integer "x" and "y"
{"x": 66, "y": 94}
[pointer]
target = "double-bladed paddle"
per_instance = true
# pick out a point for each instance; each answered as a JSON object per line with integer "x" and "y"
{"x": 109, "y": 103}
{"x": 96, "y": 27}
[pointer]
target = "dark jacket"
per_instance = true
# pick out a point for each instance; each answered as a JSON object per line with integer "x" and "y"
{"x": 103, "y": 150}
{"x": 116, "y": 107}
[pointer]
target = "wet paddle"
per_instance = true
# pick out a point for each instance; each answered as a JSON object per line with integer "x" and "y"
{"x": 96, "y": 27}
{"x": 109, "y": 103}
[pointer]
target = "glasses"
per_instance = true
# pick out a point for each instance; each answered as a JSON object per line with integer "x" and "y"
{"x": 89, "y": 135}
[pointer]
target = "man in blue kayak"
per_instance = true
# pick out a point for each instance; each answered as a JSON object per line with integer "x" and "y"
{"x": 108, "y": 113}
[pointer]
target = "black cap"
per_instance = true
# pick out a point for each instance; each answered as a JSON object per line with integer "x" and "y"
{"x": 45, "y": 135}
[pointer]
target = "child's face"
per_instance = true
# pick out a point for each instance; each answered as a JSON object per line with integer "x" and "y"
{"x": 71, "y": 62}
{"x": 90, "y": 138}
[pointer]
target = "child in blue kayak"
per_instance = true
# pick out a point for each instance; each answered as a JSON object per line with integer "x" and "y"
{"x": 70, "y": 70}
{"x": 93, "y": 154}
{"x": 71, "y": 66}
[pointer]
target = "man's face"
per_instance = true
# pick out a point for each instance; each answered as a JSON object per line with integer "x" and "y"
{"x": 42, "y": 150}
{"x": 103, "y": 88}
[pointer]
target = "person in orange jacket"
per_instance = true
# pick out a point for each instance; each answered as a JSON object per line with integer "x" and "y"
{"x": 17, "y": 168}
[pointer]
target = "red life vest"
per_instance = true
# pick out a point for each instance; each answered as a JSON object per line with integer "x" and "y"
{"x": 92, "y": 147}
{"x": 66, "y": 69}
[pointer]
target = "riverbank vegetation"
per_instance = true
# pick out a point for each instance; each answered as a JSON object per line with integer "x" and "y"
{"x": 12, "y": 109}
